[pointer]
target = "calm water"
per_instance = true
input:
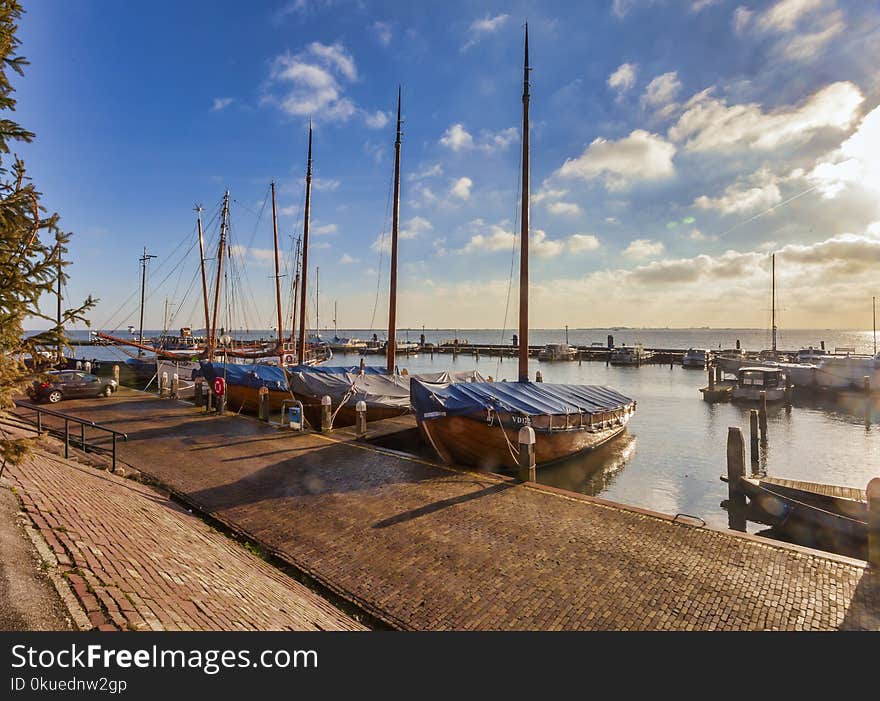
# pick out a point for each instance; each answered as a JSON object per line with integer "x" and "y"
{"x": 672, "y": 456}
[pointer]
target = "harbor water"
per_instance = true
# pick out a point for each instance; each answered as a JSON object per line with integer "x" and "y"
{"x": 673, "y": 452}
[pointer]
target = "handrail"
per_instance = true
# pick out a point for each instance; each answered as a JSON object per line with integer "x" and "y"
{"x": 40, "y": 410}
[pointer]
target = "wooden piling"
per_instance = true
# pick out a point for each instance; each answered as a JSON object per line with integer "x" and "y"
{"x": 116, "y": 373}
{"x": 719, "y": 375}
{"x": 762, "y": 416}
{"x": 788, "y": 389}
{"x": 711, "y": 380}
{"x": 175, "y": 386}
{"x": 221, "y": 404}
{"x": 361, "y": 419}
{"x": 736, "y": 470}
{"x": 163, "y": 385}
{"x": 264, "y": 404}
{"x": 527, "y": 454}
{"x": 873, "y": 492}
{"x": 538, "y": 376}
{"x": 866, "y": 384}
{"x": 198, "y": 392}
{"x": 753, "y": 439}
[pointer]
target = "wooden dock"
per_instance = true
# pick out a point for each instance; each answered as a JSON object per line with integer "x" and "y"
{"x": 422, "y": 546}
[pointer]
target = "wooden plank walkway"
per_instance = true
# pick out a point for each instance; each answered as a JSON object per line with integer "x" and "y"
{"x": 421, "y": 546}
{"x": 828, "y": 490}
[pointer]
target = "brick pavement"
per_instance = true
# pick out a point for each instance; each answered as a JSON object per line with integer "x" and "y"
{"x": 138, "y": 561}
{"x": 423, "y": 547}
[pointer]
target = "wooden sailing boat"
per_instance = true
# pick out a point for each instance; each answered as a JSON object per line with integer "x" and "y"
{"x": 477, "y": 423}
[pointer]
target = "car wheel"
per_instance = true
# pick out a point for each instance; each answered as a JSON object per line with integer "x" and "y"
{"x": 108, "y": 391}
{"x": 54, "y": 396}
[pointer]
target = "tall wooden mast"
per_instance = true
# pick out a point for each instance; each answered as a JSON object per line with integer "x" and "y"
{"x": 204, "y": 276}
{"x": 391, "y": 347}
{"x": 301, "y": 348}
{"x": 524, "y": 229}
{"x": 224, "y": 223}
{"x": 295, "y": 292}
{"x": 59, "y": 280}
{"x": 773, "y": 300}
{"x": 277, "y": 277}
{"x": 144, "y": 259}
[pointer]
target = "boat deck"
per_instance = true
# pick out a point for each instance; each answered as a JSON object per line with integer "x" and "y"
{"x": 422, "y": 546}
{"x": 826, "y": 490}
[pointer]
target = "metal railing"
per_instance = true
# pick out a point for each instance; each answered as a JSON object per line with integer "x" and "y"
{"x": 83, "y": 423}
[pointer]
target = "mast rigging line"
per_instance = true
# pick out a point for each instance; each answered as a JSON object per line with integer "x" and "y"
{"x": 382, "y": 239}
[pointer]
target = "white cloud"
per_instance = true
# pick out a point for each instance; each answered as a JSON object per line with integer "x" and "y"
{"x": 377, "y": 120}
{"x": 623, "y": 78}
{"x": 382, "y": 30}
{"x": 328, "y": 184}
{"x": 310, "y": 82}
{"x": 457, "y": 138}
{"x": 742, "y": 17}
{"x": 810, "y": 44}
{"x": 221, "y": 103}
{"x": 289, "y": 211}
{"x": 347, "y": 259}
{"x": 335, "y": 55}
{"x": 319, "y": 244}
{"x": 578, "y": 243}
{"x": 429, "y": 171}
{"x": 414, "y": 227}
{"x": 481, "y": 27}
{"x": 697, "y": 235}
{"x": 564, "y": 208}
{"x": 324, "y": 230}
{"x": 661, "y": 91}
{"x": 639, "y": 156}
{"x": 756, "y": 193}
{"x": 643, "y": 248}
{"x": 709, "y": 124}
{"x": 461, "y": 188}
{"x": 855, "y": 163}
{"x": 785, "y": 14}
{"x": 700, "y": 5}
{"x": 496, "y": 239}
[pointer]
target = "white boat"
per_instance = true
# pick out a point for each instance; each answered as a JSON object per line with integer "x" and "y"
{"x": 695, "y": 358}
{"x": 630, "y": 355}
{"x": 557, "y": 351}
{"x": 347, "y": 345}
{"x": 751, "y": 381}
{"x": 799, "y": 374}
{"x": 847, "y": 371}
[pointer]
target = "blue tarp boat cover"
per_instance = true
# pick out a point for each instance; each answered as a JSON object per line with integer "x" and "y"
{"x": 431, "y": 400}
{"x": 376, "y": 386}
{"x": 253, "y": 375}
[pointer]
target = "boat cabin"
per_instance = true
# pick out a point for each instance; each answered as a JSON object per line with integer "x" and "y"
{"x": 752, "y": 380}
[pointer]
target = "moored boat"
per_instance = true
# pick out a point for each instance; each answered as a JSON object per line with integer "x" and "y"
{"x": 752, "y": 381}
{"x": 479, "y": 423}
{"x": 557, "y": 351}
{"x": 695, "y": 358}
{"x": 629, "y": 355}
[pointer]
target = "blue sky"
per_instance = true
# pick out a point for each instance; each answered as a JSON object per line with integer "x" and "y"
{"x": 675, "y": 143}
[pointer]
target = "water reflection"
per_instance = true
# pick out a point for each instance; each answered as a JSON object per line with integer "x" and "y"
{"x": 594, "y": 472}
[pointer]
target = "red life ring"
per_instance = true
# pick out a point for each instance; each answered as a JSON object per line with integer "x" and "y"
{"x": 288, "y": 358}
{"x": 219, "y": 386}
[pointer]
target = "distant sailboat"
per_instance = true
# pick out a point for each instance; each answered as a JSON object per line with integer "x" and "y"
{"x": 477, "y": 423}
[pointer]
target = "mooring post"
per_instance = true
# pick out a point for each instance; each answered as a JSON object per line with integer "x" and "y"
{"x": 762, "y": 416}
{"x": 718, "y": 374}
{"x": 873, "y": 491}
{"x": 116, "y": 373}
{"x": 527, "y": 454}
{"x": 209, "y": 400}
{"x": 753, "y": 439}
{"x": 538, "y": 376}
{"x": 363, "y": 365}
{"x": 87, "y": 366}
{"x": 163, "y": 385}
{"x": 736, "y": 470}
{"x": 788, "y": 388}
{"x": 711, "y": 380}
{"x": 264, "y": 403}
{"x": 221, "y": 404}
{"x": 175, "y": 386}
{"x": 326, "y": 415}
{"x": 361, "y": 418}
{"x": 866, "y": 384}
{"x": 198, "y": 395}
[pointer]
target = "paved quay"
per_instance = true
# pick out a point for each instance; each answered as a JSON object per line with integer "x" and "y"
{"x": 138, "y": 561}
{"x": 420, "y": 546}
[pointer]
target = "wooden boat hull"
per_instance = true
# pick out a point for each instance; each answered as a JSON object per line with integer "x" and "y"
{"x": 246, "y": 400}
{"x": 347, "y": 415}
{"x": 753, "y": 394}
{"x": 471, "y": 441}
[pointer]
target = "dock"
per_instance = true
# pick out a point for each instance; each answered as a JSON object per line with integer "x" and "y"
{"x": 422, "y": 546}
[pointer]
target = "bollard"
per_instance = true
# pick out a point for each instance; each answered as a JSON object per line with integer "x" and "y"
{"x": 736, "y": 470}
{"x": 326, "y": 414}
{"x": 788, "y": 389}
{"x": 718, "y": 374}
{"x": 116, "y": 373}
{"x": 163, "y": 385}
{"x": 363, "y": 365}
{"x": 87, "y": 366}
{"x": 737, "y": 344}
{"x": 264, "y": 404}
{"x": 762, "y": 416}
{"x": 209, "y": 400}
{"x": 361, "y": 418}
{"x": 175, "y": 386}
{"x": 711, "y": 380}
{"x": 866, "y": 384}
{"x": 221, "y": 404}
{"x": 753, "y": 438}
{"x": 527, "y": 454}
{"x": 873, "y": 491}
{"x": 198, "y": 392}
{"x": 538, "y": 376}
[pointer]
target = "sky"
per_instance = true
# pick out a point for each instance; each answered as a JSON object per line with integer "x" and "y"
{"x": 675, "y": 144}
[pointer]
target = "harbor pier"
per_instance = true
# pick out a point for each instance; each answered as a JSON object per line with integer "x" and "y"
{"x": 418, "y": 545}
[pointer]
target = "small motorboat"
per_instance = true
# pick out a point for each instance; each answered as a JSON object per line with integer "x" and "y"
{"x": 751, "y": 381}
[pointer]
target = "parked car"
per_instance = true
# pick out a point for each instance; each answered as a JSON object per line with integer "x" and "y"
{"x": 69, "y": 384}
